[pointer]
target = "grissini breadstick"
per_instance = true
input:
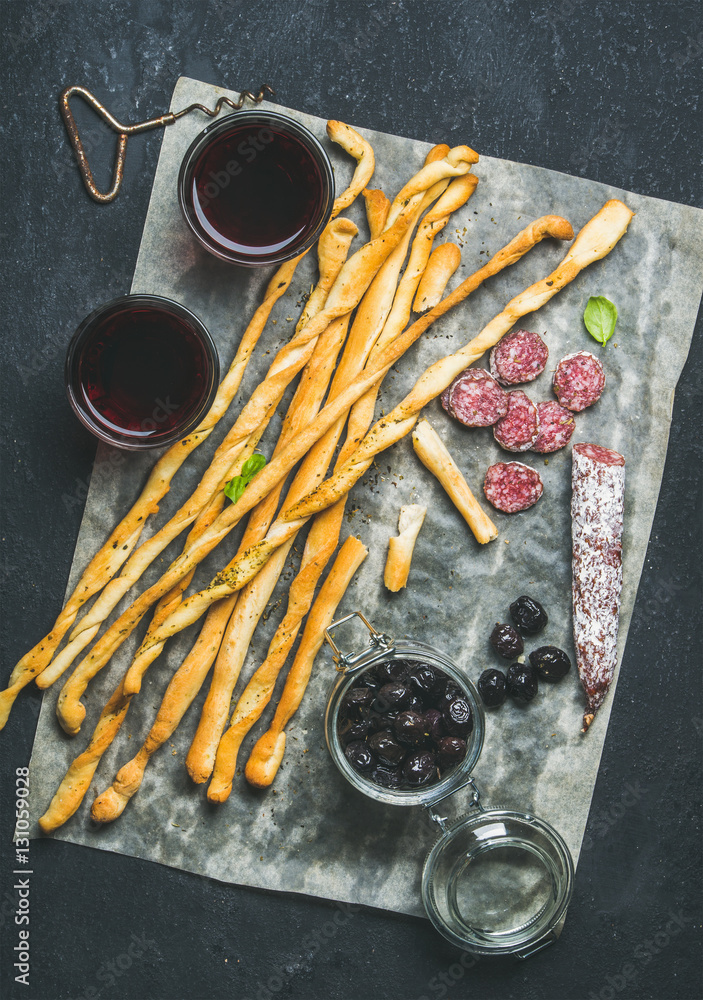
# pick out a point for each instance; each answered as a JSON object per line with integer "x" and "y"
{"x": 353, "y": 280}
{"x": 268, "y": 752}
{"x": 377, "y": 208}
{"x": 595, "y": 241}
{"x": 244, "y": 568}
{"x": 245, "y": 617}
{"x": 442, "y": 264}
{"x": 401, "y": 547}
{"x": 255, "y": 596}
{"x": 183, "y": 687}
{"x": 324, "y": 534}
{"x": 456, "y": 195}
{"x": 180, "y": 693}
{"x": 77, "y": 779}
{"x": 122, "y": 540}
{"x": 333, "y": 248}
{"x": 372, "y": 311}
{"x": 433, "y": 454}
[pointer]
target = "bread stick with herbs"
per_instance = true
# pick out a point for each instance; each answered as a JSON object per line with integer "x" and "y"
{"x": 266, "y": 757}
{"x": 124, "y": 537}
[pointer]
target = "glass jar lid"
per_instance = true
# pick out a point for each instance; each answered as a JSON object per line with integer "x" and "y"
{"x": 498, "y": 882}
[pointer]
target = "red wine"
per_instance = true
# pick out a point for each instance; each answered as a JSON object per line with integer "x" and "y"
{"x": 140, "y": 372}
{"x": 256, "y": 188}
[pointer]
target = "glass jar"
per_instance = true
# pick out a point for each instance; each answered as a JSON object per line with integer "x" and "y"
{"x": 497, "y": 881}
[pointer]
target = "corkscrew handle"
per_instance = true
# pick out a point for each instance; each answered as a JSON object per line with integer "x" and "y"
{"x": 124, "y": 131}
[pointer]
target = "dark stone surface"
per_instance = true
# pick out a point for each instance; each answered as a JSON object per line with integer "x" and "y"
{"x": 606, "y": 90}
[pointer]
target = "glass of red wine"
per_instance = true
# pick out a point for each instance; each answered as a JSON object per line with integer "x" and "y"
{"x": 141, "y": 372}
{"x": 256, "y": 188}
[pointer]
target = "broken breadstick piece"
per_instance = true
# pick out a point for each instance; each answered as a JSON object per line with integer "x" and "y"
{"x": 377, "y": 208}
{"x": 433, "y": 454}
{"x": 400, "y": 549}
{"x": 443, "y": 262}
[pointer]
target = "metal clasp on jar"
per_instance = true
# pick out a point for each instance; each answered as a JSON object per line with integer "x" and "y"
{"x": 442, "y": 821}
{"x": 343, "y": 661}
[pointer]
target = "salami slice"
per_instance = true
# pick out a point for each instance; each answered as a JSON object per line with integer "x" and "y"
{"x": 579, "y": 380}
{"x": 597, "y": 504}
{"x": 519, "y": 357}
{"x": 556, "y": 425}
{"x": 475, "y": 398}
{"x": 519, "y": 428}
{"x": 512, "y": 486}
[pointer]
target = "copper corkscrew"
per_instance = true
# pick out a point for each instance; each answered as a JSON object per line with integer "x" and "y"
{"x": 124, "y": 131}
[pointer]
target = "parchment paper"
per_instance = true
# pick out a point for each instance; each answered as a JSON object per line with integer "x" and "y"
{"x": 311, "y": 833}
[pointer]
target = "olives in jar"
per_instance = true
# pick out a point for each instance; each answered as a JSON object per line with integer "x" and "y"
{"x": 404, "y": 723}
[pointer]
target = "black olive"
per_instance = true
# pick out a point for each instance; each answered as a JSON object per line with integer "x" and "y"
{"x": 387, "y": 777}
{"x": 354, "y": 701}
{"x": 434, "y": 723}
{"x": 393, "y": 670}
{"x": 550, "y": 663}
{"x": 522, "y": 682}
{"x": 385, "y": 748}
{"x": 383, "y": 721}
{"x": 393, "y": 696}
{"x": 420, "y": 768}
{"x": 450, "y": 750}
{"x": 422, "y": 679}
{"x": 457, "y": 717}
{"x": 359, "y": 756}
{"x": 369, "y": 679}
{"x": 506, "y": 641}
{"x": 491, "y": 687}
{"x": 411, "y": 729}
{"x": 355, "y": 729}
{"x": 528, "y": 614}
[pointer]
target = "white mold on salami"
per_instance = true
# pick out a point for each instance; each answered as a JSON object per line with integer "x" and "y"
{"x": 512, "y": 486}
{"x": 556, "y": 425}
{"x": 597, "y": 506}
{"x": 519, "y": 357}
{"x": 475, "y": 399}
{"x": 519, "y": 428}
{"x": 579, "y": 380}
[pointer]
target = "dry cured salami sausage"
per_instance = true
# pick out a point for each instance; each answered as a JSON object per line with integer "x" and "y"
{"x": 556, "y": 425}
{"x": 512, "y": 486}
{"x": 519, "y": 428}
{"x": 597, "y": 504}
{"x": 475, "y": 398}
{"x": 519, "y": 357}
{"x": 579, "y": 380}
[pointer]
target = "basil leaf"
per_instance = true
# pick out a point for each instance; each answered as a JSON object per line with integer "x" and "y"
{"x": 600, "y": 317}
{"x": 236, "y": 486}
{"x": 252, "y": 465}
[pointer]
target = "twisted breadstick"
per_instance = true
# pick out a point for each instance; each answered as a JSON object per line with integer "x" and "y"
{"x": 353, "y": 280}
{"x": 267, "y": 754}
{"x": 370, "y": 315}
{"x": 246, "y": 566}
{"x": 122, "y": 540}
